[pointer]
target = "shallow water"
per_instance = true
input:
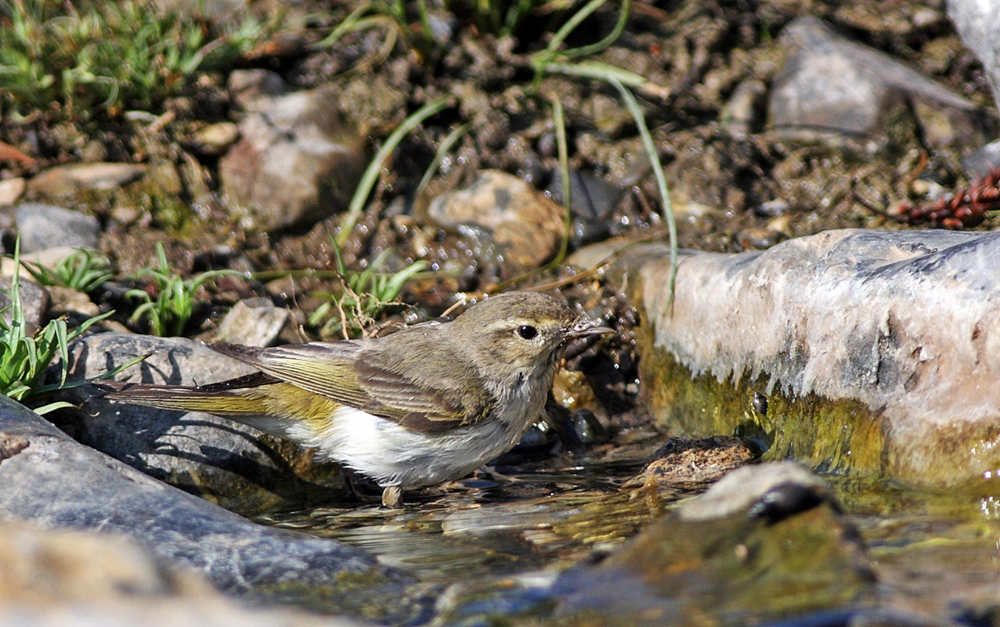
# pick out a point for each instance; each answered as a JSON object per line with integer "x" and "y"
{"x": 500, "y": 525}
{"x": 934, "y": 554}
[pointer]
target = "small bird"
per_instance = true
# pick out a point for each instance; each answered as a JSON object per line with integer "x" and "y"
{"x": 429, "y": 403}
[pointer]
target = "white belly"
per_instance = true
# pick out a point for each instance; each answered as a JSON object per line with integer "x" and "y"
{"x": 394, "y": 456}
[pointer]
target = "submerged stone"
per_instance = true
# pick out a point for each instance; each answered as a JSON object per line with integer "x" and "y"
{"x": 734, "y": 560}
{"x": 850, "y": 349}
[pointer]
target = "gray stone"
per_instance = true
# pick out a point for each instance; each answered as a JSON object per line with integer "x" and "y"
{"x": 50, "y": 481}
{"x": 253, "y": 322}
{"x": 876, "y": 350}
{"x": 976, "y": 22}
{"x": 229, "y": 463}
{"x": 34, "y": 302}
{"x": 785, "y": 552}
{"x": 830, "y": 84}
{"x": 47, "y": 226}
{"x": 296, "y": 162}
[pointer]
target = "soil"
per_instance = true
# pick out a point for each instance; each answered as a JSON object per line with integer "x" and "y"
{"x": 694, "y": 53}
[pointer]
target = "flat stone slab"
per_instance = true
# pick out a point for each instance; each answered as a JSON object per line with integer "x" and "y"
{"x": 230, "y": 464}
{"x": 850, "y": 349}
{"x": 50, "y": 481}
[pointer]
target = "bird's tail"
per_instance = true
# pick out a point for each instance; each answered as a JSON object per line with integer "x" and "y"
{"x": 236, "y": 397}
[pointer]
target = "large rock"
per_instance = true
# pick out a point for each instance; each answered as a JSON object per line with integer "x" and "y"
{"x": 830, "y": 84}
{"x": 849, "y": 349}
{"x": 296, "y": 161}
{"x": 50, "y": 481}
{"x": 228, "y": 463}
{"x": 976, "y": 22}
{"x": 73, "y": 578}
{"x": 44, "y": 226}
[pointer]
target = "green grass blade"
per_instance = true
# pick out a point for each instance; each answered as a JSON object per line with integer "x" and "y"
{"x": 375, "y": 167}
{"x": 612, "y": 37}
{"x": 661, "y": 181}
{"x": 440, "y": 154}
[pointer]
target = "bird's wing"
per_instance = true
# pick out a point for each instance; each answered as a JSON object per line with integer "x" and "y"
{"x": 390, "y": 384}
{"x": 325, "y": 368}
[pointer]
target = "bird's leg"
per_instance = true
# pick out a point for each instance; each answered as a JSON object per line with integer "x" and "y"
{"x": 392, "y": 497}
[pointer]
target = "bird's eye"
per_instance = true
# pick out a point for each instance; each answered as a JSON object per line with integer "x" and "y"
{"x": 527, "y": 331}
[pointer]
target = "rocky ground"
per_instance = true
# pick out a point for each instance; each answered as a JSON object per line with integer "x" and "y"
{"x": 771, "y": 121}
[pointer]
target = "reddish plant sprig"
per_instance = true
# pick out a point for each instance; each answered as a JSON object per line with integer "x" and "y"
{"x": 965, "y": 209}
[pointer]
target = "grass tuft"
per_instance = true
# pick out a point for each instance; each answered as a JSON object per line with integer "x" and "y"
{"x": 365, "y": 296}
{"x": 170, "y": 303}
{"x": 83, "y": 270}
{"x": 114, "y": 55}
{"x": 24, "y": 358}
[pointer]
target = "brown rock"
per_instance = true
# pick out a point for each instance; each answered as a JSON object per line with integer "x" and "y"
{"x": 526, "y": 226}
{"x": 682, "y": 463}
{"x": 65, "y": 180}
{"x": 296, "y": 162}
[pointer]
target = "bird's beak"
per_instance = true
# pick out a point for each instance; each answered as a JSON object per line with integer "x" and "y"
{"x": 585, "y": 328}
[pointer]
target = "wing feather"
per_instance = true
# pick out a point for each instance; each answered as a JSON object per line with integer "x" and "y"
{"x": 387, "y": 380}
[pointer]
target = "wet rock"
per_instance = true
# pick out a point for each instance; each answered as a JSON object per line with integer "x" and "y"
{"x": 65, "y": 180}
{"x": 296, "y": 162}
{"x": 11, "y": 190}
{"x": 830, "y": 84}
{"x": 34, "y": 302}
{"x": 682, "y": 463}
{"x": 753, "y": 489}
{"x": 874, "y": 349}
{"x": 725, "y": 566}
{"x": 720, "y": 568}
{"x": 215, "y": 139}
{"x": 526, "y": 226}
{"x": 52, "y": 482}
{"x": 253, "y": 322}
{"x": 47, "y": 226}
{"x": 975, "y": 21}
{"x": 228, "y": 463}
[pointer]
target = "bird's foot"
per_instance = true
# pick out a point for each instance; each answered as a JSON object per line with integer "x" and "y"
{"x": 392, "y": 497}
